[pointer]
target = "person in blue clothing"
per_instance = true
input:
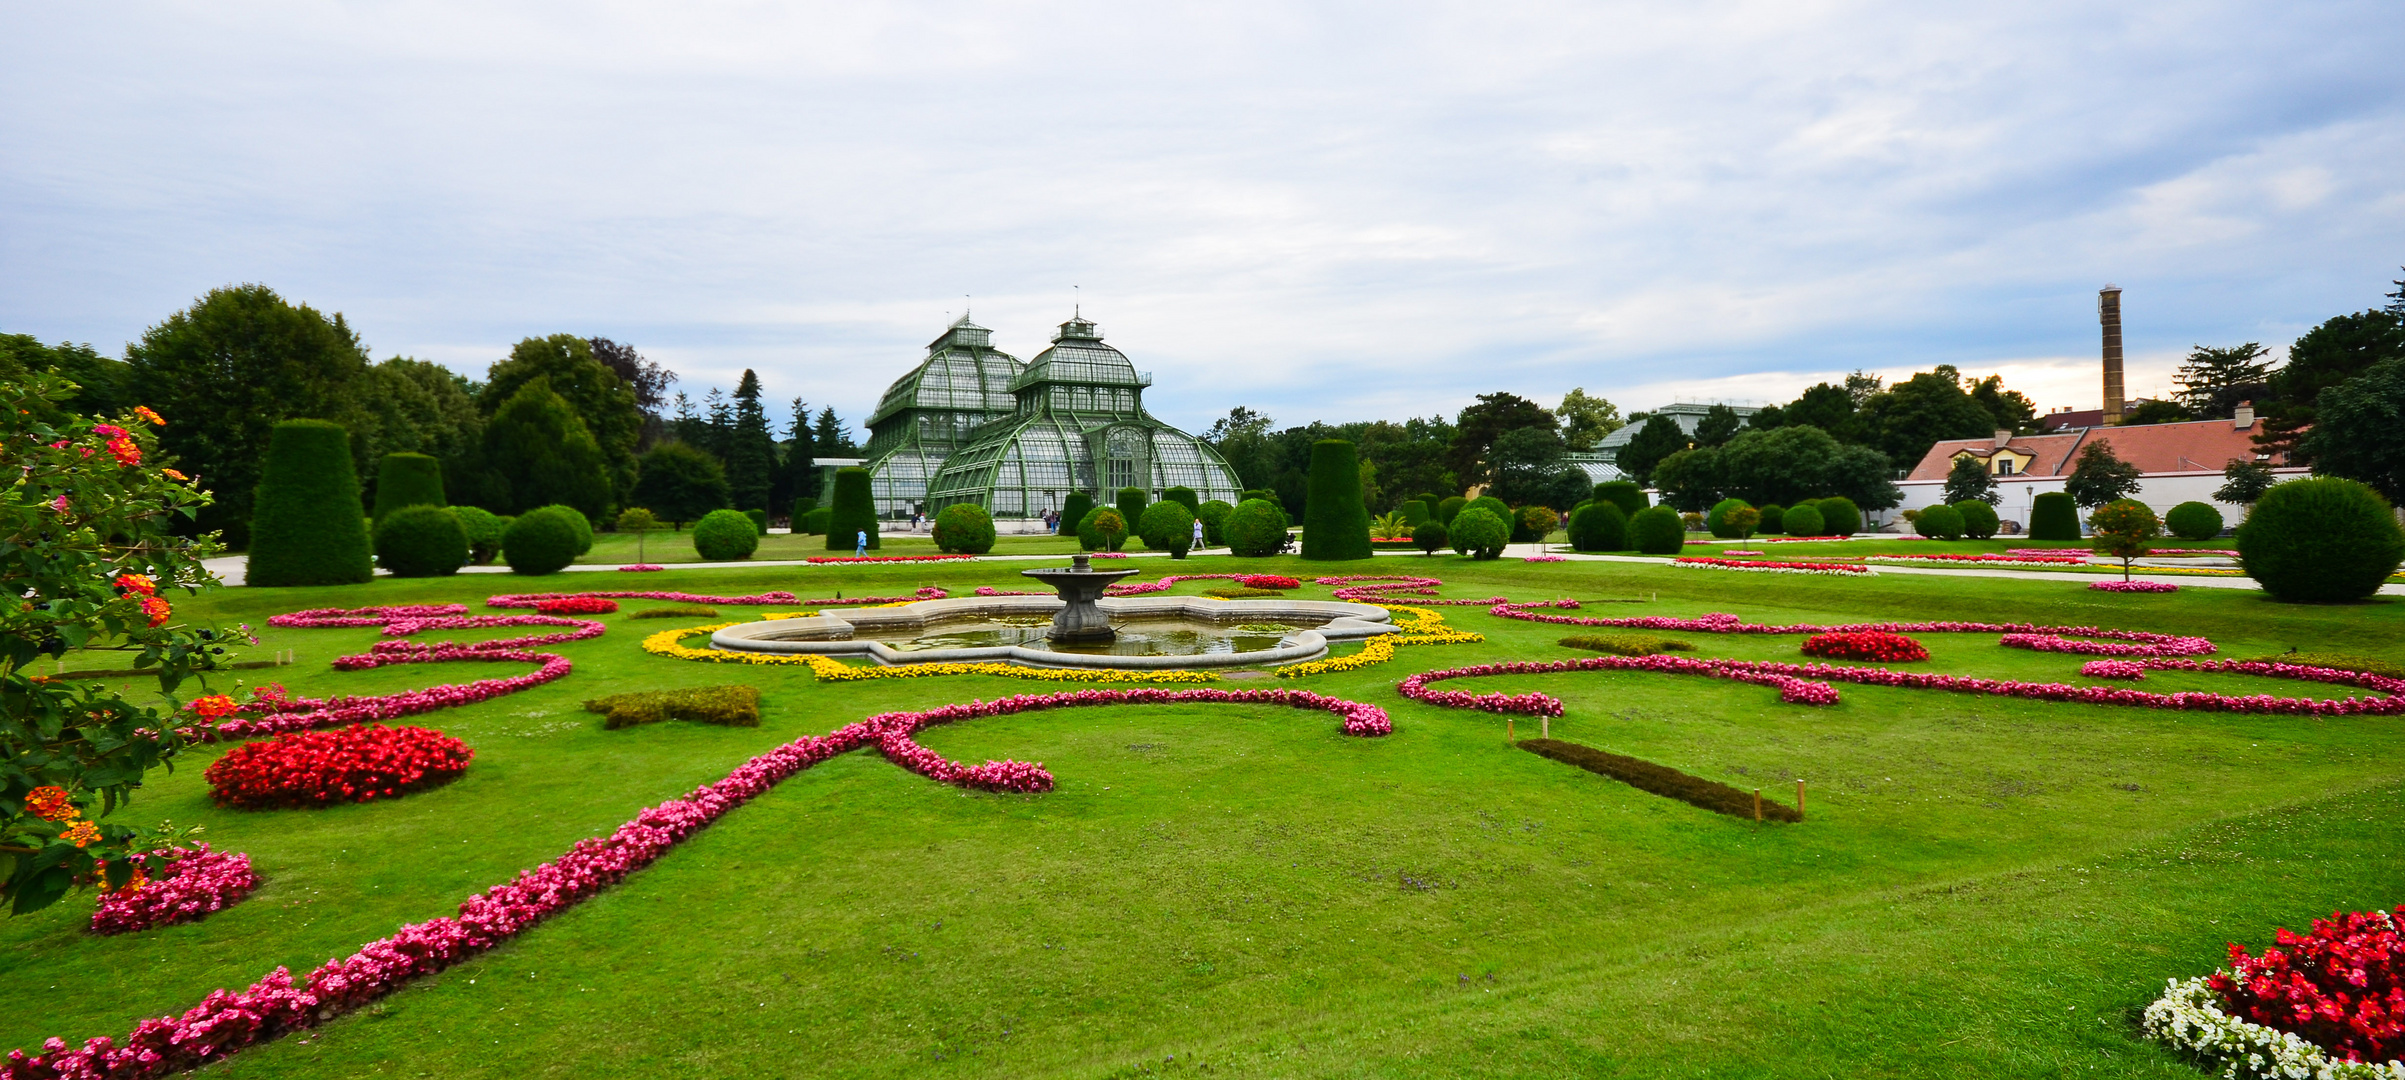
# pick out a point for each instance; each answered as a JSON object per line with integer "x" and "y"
{"x": 860, "y": 543}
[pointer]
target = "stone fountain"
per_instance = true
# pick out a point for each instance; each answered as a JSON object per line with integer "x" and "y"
{"x": 1081, "y": 620}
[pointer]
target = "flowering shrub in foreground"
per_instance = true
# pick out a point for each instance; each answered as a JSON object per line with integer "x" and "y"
{"x": 226, "y": 1022}
{"x": 2341, "y": 987}
{"x": 1876, "y": 646}
{"x": 577, "y": 605}
{"x": 1698, "y": 562}
{"x": 2113, "y": 669}
{"x": 2133, "y": 586}
{"x": 197, "y": 883}
{"x": 360, "y": 763}
{"x": 2188, "y": 1017}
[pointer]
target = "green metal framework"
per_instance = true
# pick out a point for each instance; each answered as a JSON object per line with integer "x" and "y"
{"x": 927, "y": 414}
{"x": 1078, "y": 424}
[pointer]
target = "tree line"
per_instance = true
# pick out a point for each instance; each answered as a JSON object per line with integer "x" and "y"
{"x": 563, "y": 419}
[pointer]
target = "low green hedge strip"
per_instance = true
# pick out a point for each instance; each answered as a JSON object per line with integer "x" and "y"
{"x": 731, "y": 706}
{"x": 1661, "y": 780}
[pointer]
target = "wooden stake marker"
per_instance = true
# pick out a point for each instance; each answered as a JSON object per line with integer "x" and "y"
{"x": 1507, "y": 735}
{"x": 1799, "y": 799}
{"x": 1757, "y": 806}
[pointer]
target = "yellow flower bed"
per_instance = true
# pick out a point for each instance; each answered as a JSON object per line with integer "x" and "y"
{"x": 669, "y": 643}
{"x": 1420, "y": 626}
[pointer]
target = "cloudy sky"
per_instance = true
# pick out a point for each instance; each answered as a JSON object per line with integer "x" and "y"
{"x": 1323, "y": 211}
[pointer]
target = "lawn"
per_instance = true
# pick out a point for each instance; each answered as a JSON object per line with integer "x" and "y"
{"x": 1984, "y": 887}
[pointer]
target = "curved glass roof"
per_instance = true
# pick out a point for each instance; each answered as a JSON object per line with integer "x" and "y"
{"x": 963, "y": 384}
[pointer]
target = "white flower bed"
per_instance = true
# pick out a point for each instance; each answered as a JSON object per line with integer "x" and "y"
{"x": 2188, "y": 1017}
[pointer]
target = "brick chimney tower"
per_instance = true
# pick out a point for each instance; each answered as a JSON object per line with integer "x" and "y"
{"x": 2108, "y": 312}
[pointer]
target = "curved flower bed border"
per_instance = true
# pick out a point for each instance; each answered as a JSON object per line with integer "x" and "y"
{"x": 228, "y": 1021}
{"x": 669, "y": 643}
{"x": 527, "y": 600}
{"x": 1381, "y": 588}
{"x": 1698, "y": 562}
{"x": 2133, "y": 586}
{"x": 198, "y": 883}
{"x": 1138, "y": 588}
{"x": 641, "y": 568}
{"x": 2130, "y": 670}
{"x": 2189, "y": 1017}
{"x": 2028, "y": 635}
{"x": 1799, "y": 684}
{"x": 1985, "y": 559}
{"x": 1420, "y": 627}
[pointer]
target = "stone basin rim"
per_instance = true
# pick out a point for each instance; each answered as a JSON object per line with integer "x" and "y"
{"x": 831, "y": 633}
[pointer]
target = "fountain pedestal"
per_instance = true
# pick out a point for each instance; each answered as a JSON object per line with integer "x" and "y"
{"x": 1081, "y": 620}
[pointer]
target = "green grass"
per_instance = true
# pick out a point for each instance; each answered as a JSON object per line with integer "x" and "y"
{"x": 1984, "y": 887}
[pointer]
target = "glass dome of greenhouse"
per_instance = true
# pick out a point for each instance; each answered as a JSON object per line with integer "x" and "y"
{"x": 928, "y": 413}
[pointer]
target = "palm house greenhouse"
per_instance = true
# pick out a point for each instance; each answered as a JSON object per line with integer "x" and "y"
{"x": 971, "y": 424}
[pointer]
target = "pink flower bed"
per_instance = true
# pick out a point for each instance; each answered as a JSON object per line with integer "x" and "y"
{"x": 1544, "y": 558}
{"x": 886, "y": 558}
{"x": 1797, "y": 683}
{"x": 1257, "y": 581}
{"x": 1989, "y": 559}
{"x": 197, "y": 883}
{"x": 535, "y": 600}
{"x": 1391, "y": 588}
{"x": 2062, "y": 642}
{"x": 641, "y": 568}
{"x": 2039, "y": 638}
{"x": 1734, "y": 551}
{"x": 321, "y": 618}
{"x": 988, "y": 590}
{"x": 227, "y": 1021}
{"x": 2113, "y": 669}
{"x": 1698, "y": 562}
{"x": 2134, "y": 586}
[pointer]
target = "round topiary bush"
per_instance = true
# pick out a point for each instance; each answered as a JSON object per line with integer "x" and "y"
{"x": 484, "y": 532}
{"x": 964, "y": 529}
{"x": 1478, "y": 533}
{"x": 1625, "y": 494}
{"x": 1214, "y": 515}
{"x": 1774, "y": 520}
{"x": 1255, "y": 528}
{"x": 1939, "y": 522}
{"x": 1449, "y": 508}
{"x": 1979, "y": 521}
{"x": 1717, "y": 519}
{"x": 2193, "y": 521}
{"x": 1599, "y": 526}
{"x": 407, "y": 480}
{"x": 2053, "y": 516}
{"x": 1803, "y": 519}
{"x": 1491, "y": 505}
{"x": 1104, "y": 529}
{"x": 1430, "y": 537}
{"x": 2320, "y": 540}
{"x": 1657, "y": 530}
{"x": 421, "y": 541}
{"x": 1839, "y": 516}
{"x": 724, "y": 536}
{"x": 1167, "y": 526}
{"x": 307, "y": 527}
{"x": 576, "y": 520}
{"x": 539, "y": 542}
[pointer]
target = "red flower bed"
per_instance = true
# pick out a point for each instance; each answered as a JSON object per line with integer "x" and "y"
{"x": 1876, "y": 646}
{"x": 2341, "y": 987}
{"x": 1268, "y": 581}
{"x": 320, "y": 768}
{"x": 576, "y": 605}
{"x": 197, "y": 883}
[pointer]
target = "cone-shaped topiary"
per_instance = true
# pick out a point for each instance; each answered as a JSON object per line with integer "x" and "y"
{"x": 484, "y": 532}
{"x": 1256, "y": 528}
{"x": 2053, "y": 516}
{"x": 1658, "y": 530}
{"x": 1131, "y": 503}
{"x": 407, "y": 480}
{"x": 1839, "y": 516}
{"x": 1477, "y": 532}
{"x": 964, "y": 529}
{"x": 1599, "y": 526}
{"x": 725, "y": 535}
{"x": 308, "y": 527}
{"x": 1979, "y": 521}
{"x": 1074, "y": 510}
{"x": 1450, "y": 508}
{"x": 1716, "y": 521}
{"x": 1802, "y": 519}
{"x": 540, "y": 542}
{"x": 1336, "y": 525}
{"x": 1625, "y": 494}
{"x": 1214, "y": 515}
{"x": 1774, "y": 520}
{"x": 1941, "y": 522}
{"x": 854, "y": 511}
{"x": 421, "y": 541}
{"x": 2320, "y": 540}
{"x": 1167, "y": 527}
{"x": 2193, "y": 521}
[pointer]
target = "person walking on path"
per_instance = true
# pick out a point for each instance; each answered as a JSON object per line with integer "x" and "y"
{"x": 860, "y": 544}
{"x": 1198, "y": 534}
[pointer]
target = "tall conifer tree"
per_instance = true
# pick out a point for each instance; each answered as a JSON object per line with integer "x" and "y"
{"x": 751, "y": 454}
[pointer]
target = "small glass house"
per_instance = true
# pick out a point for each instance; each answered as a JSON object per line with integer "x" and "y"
{"x": 963, "y": 384}
{"x": 1077, "y": 424}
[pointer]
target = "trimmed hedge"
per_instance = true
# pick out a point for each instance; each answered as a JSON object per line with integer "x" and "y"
{"x": 2053, "y": 516}
{"x": 1803, "y": 519}
{"x": 2320, "y": 540}
{"x": 1073, "y": 513}
{"x": 1625, "y": 494}
{"x": 484, "y": 532}
{"x": 725, "y": 535}
{"x": 1479, "y": 534}
{"x": 1185, "y": 496}
{"x": 1336, "y": 524}
{"x": 1941, "y": 522}
{"x": 1599, "y": 526}
{"x": 1214, "y": 515}
{"x": 1661, "y": 780}
{"x": 407, "y": 480}
{"x": 1839, "y": 516}
{"x": 852, "y": 511}
{"x": 1979, "y": 520}
{"x": 307, "y": 527}
{"x": 759, "y": 520}
{"x": 421, "y": 541}
{"x": 731, "y": 706}
{"x": 1414, "y": 512}
{"x": 1102, "y": 530}
{"x": 1167, "y": 526}
{"x": 1716, "y": 521}
{"x": 1626, "y": 644}
{"x": 815, "y": 522}
{"x": 1430, "y": 537}
{"x": 1774, "y": 520}
{"x": 676, "y": 611}
{"x": 1450, "y": 508}
{"x": 1491, "y": 505}
{"x": 540, "y": 542}
{"x": 964, "y": 529}
{"x": 1130, "y": 503}
{"x": 1256, "y": 528}
{"x": 1657, "y": 530}
{"x": 2193, "y": 521}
